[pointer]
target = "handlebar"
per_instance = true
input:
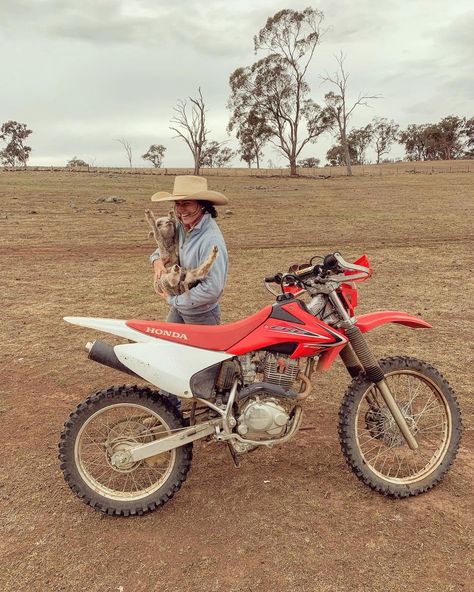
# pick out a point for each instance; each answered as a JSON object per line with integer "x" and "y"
{"x": 334, "y": 268}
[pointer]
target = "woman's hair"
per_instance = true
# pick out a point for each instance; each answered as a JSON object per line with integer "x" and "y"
{"x": 209, "y": 207}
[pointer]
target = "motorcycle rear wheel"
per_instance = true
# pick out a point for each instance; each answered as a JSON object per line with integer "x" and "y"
{"x": 371, "y": 442}
{"x": 111, "y": 422}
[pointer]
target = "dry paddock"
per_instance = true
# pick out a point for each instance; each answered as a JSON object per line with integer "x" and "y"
{"x": 291, "y": 518}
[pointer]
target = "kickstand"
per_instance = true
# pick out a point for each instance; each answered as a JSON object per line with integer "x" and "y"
{"x": 235, "y": 458}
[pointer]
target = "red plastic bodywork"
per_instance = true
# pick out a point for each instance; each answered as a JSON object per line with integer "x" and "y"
{"x": 217, "y": 338}
{"x": 372, "y": 320}
{"x": 259, "y": 331}
{"x": 311, "y": 335}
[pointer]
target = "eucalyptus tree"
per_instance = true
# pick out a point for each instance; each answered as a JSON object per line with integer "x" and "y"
{"x": 469, "y": 133}
{"x": 274, "y": 89}
{"x": 253, "y": 133}
{"x": 359, "y": 139}
{"x": 14, "y": 135}
{"x": 155, "y": 154}
{"x": 385, "y": 133}
{"x": 445, "y": 140}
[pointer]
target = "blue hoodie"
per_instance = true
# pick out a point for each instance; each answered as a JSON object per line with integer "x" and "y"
{"x": 194, "y": 248}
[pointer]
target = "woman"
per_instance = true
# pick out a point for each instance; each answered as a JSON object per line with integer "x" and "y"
{"x": 198, "y": 232}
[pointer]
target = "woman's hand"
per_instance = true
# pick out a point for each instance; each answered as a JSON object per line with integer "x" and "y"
{"x": 159, "y": 269}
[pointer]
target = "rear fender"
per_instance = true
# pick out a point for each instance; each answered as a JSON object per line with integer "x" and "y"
{"x": 372, "y": 320}
{"x": 113, "y": 326}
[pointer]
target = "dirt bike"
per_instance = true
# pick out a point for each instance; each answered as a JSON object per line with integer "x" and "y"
{"x": 126, "y": 450}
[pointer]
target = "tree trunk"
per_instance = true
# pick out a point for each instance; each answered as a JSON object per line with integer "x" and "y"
{"x": 197, "y": 162}
{"x": 347, "y": 157}
{"x": 293, "y": 166}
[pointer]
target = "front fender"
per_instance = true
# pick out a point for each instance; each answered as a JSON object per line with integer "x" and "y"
{"x": 372, "y": 320}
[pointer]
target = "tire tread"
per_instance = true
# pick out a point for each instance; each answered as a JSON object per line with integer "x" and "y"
{"x": 348, "y": 445}
{"x": 66, "y": 447}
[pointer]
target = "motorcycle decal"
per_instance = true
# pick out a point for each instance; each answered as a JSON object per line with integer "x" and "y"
{"x": 296, "y": 331}
{"x": 165, "y": 333}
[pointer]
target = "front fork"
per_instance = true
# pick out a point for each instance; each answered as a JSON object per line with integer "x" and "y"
{"x": 357, "y": 355}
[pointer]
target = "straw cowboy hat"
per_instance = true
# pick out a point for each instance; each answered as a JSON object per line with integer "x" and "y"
{"x": 191, "y": 187}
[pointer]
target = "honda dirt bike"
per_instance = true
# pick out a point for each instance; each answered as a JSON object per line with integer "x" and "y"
{"x": 127, "y": 449}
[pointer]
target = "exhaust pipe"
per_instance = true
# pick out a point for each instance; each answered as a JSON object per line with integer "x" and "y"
{"x": 103, "y": 353}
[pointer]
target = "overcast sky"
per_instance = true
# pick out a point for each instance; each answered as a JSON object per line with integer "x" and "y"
{"x": 81, "y": 73}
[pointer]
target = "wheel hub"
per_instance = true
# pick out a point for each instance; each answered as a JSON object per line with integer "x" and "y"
{"x": 382, "y": 425}
{"x": 120, "y": 458}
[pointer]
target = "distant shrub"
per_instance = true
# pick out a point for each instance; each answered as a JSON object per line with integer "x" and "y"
{"x": 77, "y": 162}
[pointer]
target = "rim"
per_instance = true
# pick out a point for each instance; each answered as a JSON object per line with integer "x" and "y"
{"x": 428, "y": 416}
{"x": 116, "y": 429}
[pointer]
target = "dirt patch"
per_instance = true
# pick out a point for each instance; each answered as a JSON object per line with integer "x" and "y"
{"x": 291, "y": 518}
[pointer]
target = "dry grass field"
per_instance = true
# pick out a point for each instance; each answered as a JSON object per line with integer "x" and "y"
{"x": 292, "y": 518}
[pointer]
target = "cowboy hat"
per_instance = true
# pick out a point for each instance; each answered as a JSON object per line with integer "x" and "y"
{"x": 190, "y": 187}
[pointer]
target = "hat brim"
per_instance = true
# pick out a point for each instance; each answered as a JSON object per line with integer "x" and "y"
{"x": 218, "y": 199}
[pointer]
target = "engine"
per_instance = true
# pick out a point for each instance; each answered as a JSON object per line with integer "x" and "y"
{"x": 261, "y": 419}
{"x": 277, "y": 369}
{"x": 265, "y": 416}
{"x": 267, "y": 403}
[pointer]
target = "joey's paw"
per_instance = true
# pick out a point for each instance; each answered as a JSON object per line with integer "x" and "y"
{"x": 157, "y": 286}
{"x": 214, "y": 250}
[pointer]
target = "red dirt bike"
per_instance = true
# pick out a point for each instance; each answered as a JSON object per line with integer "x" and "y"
{"x": 126, "y": 450}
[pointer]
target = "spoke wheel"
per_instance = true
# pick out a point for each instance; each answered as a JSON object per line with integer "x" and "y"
{"x": 372, "y": 443}
{"x": 96, "y": 441}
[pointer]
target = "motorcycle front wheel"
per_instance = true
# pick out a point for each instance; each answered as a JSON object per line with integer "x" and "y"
{"x": 111, "y": 422}
{"x": 372, "y": 443}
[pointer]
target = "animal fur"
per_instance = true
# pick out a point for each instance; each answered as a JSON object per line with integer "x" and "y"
{"x": 175, "y": 280}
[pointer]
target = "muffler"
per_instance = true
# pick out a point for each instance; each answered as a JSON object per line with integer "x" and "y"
{"x": 103, "y": 353}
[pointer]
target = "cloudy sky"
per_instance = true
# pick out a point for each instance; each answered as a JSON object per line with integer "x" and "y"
{"x": 82, "y": 73}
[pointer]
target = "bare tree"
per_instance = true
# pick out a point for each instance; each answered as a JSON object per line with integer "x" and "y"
{"x": 191, "y": 127}
{"x": 128, "y": 149}
{"x": 274, "y": 89}
{"x": 340, "y": 110}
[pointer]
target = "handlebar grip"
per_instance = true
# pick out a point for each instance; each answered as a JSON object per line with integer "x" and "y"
{"x": 273, "y": 279}
{"x": 330, "y": 262}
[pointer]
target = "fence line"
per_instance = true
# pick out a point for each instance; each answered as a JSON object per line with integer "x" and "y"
{"x": 425, "y": 167}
